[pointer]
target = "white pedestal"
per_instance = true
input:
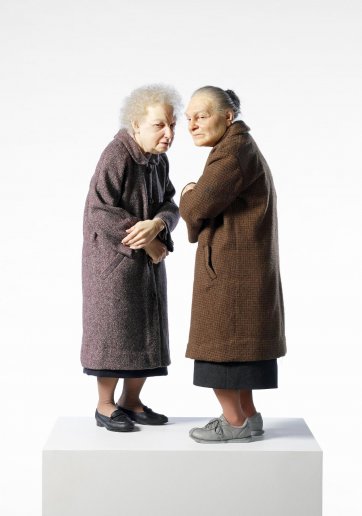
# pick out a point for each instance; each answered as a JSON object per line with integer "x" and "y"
{"x": 160, "y": 471}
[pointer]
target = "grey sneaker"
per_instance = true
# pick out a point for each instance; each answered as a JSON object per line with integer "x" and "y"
{"x": 256, "y": 424}
{"x": 218, "y": 430}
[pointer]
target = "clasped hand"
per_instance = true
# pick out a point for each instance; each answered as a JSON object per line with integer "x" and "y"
{"x": 143, "y": 236}
{"x": 156, "y": 250}
{"x": 142, "y": 233}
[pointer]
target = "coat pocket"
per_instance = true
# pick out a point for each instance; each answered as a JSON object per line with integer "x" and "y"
{"x": 208, "y": 262}
{"x": 114, "y": 263}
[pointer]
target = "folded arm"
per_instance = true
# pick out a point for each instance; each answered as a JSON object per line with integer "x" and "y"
{"x": 212, "y": 194}
{"x": 226, "y": 175}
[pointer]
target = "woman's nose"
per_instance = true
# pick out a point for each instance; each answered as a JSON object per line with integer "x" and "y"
{"x": 192, "y": 125}
{"x": 168, "y": 132}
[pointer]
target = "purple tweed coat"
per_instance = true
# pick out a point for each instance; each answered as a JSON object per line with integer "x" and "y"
{"x": 124, "y": 294}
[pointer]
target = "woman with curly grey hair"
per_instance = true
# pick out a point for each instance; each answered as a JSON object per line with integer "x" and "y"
{"x": 128, "y": 219}
{"x": 237, "y": 318}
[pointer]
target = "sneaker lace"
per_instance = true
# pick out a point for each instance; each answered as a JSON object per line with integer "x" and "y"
{"x": 216, "y": 425}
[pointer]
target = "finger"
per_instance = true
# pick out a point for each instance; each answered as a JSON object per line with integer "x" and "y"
{"x": 138, "y": 233}
{"x": 127, "y": 239}
{"x": 140, "y": 246}
{"x": 135, "y": 227}
{"x": 138, "y": 241}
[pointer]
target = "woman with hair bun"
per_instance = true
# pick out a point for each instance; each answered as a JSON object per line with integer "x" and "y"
{"x": 237, "y": 319}
{"x": 128, "y": 218}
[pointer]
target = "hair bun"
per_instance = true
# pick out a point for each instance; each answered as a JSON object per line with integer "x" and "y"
{"x": 234, "y": 98}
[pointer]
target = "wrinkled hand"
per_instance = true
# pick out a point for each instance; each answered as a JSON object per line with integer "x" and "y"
{"x": 188, "y": 187}
{"x": 156, "y": 250}
{"x": 142, "y": 233}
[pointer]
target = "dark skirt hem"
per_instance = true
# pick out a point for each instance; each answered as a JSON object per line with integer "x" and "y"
{"x": 260, "y": 374}
{"x": 124, "y": 373}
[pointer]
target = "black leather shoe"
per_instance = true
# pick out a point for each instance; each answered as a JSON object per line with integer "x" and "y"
{"x": 147, "y": 417}
{"x": 118, "y": 422}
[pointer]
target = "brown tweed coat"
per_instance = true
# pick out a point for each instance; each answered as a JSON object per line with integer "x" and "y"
{"x": 237, "y": 306}
{"x": 124, "y": 294}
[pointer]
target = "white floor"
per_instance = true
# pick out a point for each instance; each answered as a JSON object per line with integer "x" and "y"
{"x": 81, "y": 433}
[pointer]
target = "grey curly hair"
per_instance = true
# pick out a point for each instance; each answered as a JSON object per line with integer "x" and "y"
{"x": 136, "y": 104}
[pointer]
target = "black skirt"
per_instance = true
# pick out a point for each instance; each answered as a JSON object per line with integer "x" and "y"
{"x": 123, "y": 373}
{"x": 260, "y": 374}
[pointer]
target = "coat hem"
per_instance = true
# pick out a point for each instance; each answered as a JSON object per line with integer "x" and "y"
{"x": 128, "y": 367}
{"x": 254, "y": 351}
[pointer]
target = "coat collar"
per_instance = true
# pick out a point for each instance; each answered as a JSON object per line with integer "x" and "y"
{"x": 134, "y": 149}
{"x": 238, "y": 127}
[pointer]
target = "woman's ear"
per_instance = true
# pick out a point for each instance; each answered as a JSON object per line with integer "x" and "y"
{"x": 135, "y": 126}
{"x": 229, "y": 118}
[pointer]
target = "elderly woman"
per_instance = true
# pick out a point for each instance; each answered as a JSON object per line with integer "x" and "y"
{"x": 237, "y": 320}
{"x": 128, "y": 217}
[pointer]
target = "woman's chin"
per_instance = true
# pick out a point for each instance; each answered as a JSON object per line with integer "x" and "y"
{"x": 162, "y": 147}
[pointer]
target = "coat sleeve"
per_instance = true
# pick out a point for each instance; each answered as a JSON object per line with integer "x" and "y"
{"x": 104, "y": 213}
{"x": 168, "y": 212}
{"x": 226, "y": 175}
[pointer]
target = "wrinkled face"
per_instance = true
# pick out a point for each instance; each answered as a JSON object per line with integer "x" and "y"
{"x": 154, "y": 133}
{"x": 206, "y": 124}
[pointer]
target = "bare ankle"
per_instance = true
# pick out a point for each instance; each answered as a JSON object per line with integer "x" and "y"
{"x": 130, "y": 404}
{"x": 250, "y": 412}
{"x": 235, "y": 420}
{"x": 106, "y": 407}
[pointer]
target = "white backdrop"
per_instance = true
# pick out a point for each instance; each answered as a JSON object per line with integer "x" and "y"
{"x": 65, "y": 68}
